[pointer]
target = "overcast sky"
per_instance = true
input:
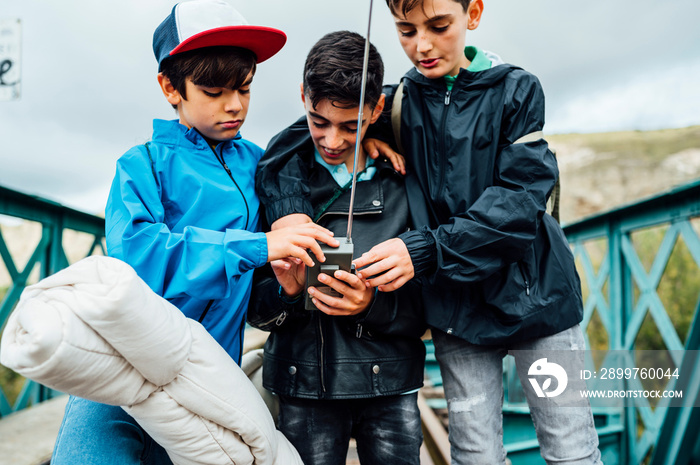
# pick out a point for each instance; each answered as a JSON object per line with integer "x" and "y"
{"x": 89, "y": 89}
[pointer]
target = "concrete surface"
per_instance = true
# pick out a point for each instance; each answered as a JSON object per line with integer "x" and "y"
{"x": 27, "y": 437}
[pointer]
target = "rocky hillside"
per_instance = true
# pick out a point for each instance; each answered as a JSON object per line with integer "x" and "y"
{"x": 602, "y": 171}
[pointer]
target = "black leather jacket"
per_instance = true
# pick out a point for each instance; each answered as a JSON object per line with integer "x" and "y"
{"x": 310, "y": 354}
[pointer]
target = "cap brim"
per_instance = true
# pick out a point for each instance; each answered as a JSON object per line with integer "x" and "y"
{"x": 263, "y": 41}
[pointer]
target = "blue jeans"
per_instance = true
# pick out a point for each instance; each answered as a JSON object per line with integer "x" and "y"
{"x": 387, "y": 430}
{"x": 473, "y": 380}
{"x": 99, "y": 434}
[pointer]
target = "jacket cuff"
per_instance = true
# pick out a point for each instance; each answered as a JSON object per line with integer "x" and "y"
{"x": 244, "y": 251}
{"x": 422, "y": 249}
{"x": 274, "y": 210}
{"x": 289, "y": 300}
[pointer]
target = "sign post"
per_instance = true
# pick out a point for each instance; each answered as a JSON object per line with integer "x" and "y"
{"x": 10, "y": 76}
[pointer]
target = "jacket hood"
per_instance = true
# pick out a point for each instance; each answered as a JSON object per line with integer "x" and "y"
{"x": 469, "y": 79}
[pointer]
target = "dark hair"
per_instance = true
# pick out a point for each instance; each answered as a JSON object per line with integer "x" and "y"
{"x": 333, "y": 71}
{"x": 220, "y": 66}
{"x": 405, "y": 6}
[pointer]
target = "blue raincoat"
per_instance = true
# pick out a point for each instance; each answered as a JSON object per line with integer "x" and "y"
{"x": 187, "y": 219}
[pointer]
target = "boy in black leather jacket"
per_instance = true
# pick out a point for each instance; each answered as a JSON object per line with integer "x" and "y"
{"x": 353, "y": 368}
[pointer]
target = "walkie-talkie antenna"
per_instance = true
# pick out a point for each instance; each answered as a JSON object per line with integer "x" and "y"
{"x": 340, "y": 258}
{"x": 358, "y": 141}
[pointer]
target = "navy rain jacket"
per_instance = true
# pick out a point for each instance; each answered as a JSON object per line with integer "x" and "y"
{"x": 496, "y": 267}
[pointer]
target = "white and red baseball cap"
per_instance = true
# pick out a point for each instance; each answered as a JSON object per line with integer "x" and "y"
{"x": 207, "y": 23}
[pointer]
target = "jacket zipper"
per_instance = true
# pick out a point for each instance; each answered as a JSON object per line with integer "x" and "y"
{"x": 206, "y": 310}
{"x": 443, "y": 136}
{"x": 522, "y": 273}
{"x": 322, "y": 363}
{"x": 241, "y": 336}
{"x": 279, "y": 319}
{"x": 220, "y": 158}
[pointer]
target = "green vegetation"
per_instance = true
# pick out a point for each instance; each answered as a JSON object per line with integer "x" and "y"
{"x": 678, "y": 290}
{"x": 11, "y": 384}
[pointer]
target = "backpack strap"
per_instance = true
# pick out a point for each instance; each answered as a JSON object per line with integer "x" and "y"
{"x": 396, "y": 115}
{"x": 532, "y": 137}
{"x": 553, "y": 201}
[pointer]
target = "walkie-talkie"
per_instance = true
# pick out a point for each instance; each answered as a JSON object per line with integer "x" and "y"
{"x": 337, "y": 258}
{"x": 340, "y": 258}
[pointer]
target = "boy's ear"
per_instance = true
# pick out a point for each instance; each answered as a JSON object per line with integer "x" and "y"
{"x": 476, "y": 8}
{"x": 303, "y": 97}
{"x": 171, "y": 94}
{"x": 378, "y": 108}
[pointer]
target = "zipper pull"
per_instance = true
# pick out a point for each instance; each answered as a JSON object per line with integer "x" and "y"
{"x": 447, "y": 97}
{"x": 281, "y": 318}
{"x": 358, "y": 333}
{"x": 228, "y": 171}
{"x": 527, "y": 287}
{"x": 223, "y": 163}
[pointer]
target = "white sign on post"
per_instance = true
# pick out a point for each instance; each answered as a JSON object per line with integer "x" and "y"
{"x": 10, "y": 77}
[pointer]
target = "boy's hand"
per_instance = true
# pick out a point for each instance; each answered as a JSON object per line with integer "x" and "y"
{"x": 376, "y": 147}
{"x": 356, "y": 296}
{"x": 293, "y": 241}
{"x": 290, "y": 274}
{"x": 287, "y": 263}
{"x": 290, "y": 220}
{"x": 389, "y": 263}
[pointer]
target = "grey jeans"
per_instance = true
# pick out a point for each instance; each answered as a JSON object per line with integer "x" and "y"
{"x": 473, "y": 380}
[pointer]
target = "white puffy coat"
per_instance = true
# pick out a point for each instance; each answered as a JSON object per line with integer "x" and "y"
{"x": 97, "y": 331}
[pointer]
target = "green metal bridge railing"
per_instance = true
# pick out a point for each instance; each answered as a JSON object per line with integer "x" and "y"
{"x": 625, "y": 294}
{"x": 48, "y": 257}
{"x": 622, "y": 300}
{"x": 629, "y": 260}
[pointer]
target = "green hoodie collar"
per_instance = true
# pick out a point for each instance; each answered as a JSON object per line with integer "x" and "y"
{"x": 479, "y": 62}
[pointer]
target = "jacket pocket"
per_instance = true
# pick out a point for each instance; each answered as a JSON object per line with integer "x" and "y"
{"x": 524, "y": 276}
{"x": 506, "y": 295}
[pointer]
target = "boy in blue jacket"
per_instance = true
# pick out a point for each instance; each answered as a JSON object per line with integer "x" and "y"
{"x": 497, "y": 273}
{"x": 353, "y": 367}
{"x": 182, "y": 210}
